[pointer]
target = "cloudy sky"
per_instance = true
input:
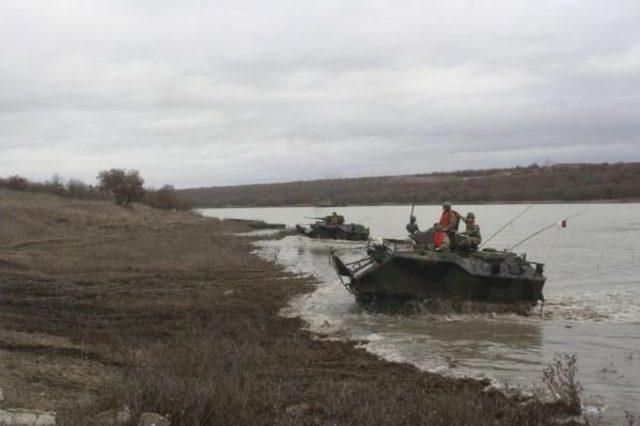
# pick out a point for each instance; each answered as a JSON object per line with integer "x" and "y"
{"x": 201, "y": 93}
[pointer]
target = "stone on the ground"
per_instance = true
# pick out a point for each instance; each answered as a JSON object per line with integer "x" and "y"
{"x": 153, "y": 419}
{"x": 113, "y": 417}
{"x": 24, "y": 417}
{"x": 297, "y": 409}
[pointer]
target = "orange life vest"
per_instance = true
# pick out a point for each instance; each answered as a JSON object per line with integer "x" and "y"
{"x": 449, "y": 220}
{"x": 445, "y": 219}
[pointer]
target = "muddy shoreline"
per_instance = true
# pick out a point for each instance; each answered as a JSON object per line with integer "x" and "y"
{"x": 102, "y": 307}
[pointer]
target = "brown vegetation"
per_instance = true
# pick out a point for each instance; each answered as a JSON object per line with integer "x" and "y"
{"x": 570, "y": 182}
{"x": 102, "y": 306}
{"x": 560, "y": 378}
{"x": 126, "y": 186}
{"x": 117, "y": 184}
{"x": 164, "y": 198}
{"x": 73, "y": 188}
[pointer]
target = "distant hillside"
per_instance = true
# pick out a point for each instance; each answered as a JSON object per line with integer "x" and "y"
{"x": 562, "y": 182}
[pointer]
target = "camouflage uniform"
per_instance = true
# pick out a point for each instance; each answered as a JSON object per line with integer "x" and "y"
{"x": 334, "y": 218}
{"x": 412, "y": 226}
{"x": 472, "y": 230}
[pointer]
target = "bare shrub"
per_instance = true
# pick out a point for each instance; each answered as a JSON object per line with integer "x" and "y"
{"x": 55, "y": 185}
{"x": 125, "y": 185}
{"x": 274, "y": 255}
{"x": 560, "y": 378}
{"x": 592, "y": 418}
{"x": 72, "y": 188}
{"x": 164, "y": 198}
{"x": 16, "y": 183}
{"x": 75, "y": 188}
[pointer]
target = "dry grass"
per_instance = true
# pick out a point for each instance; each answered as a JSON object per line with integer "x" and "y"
{"x": 560, "y": 378}
{"x": 102, "y": 307}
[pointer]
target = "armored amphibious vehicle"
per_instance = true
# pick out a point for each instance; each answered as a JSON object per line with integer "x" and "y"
{"x": 333, "y": 227}
{"x": 412, "y": 269}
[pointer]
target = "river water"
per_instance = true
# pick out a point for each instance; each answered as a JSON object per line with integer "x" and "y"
{"x": 592, "y": 297}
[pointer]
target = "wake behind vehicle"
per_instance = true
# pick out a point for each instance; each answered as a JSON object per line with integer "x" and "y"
{"x": 413, "y": 269}
{"x": 333, "y": 227}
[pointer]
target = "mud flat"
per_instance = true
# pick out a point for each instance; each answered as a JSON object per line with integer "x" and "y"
{"x": 103, "y": 308}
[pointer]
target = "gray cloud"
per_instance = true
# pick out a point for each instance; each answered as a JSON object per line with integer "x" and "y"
{"x": 204, "y": 93}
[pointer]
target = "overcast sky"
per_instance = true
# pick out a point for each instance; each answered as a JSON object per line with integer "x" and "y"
{"x": 202, "y": 93}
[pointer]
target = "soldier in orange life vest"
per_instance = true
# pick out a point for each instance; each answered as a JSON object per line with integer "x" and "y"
{"x": 448, "y": 224}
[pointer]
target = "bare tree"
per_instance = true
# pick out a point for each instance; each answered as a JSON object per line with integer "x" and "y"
{"x": 125, "y": 185}
{"x": 163, "y": 198}
{"x": 54, "y": 186}
{"x": 16, "y": 183}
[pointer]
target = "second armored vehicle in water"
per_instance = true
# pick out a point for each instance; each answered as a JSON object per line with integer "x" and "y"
{"x": 334, "y": 227}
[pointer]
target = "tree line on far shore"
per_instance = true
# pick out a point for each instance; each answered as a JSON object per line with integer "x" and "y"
{"x": 560, "y": 182}
{"x": 120, "y": 185}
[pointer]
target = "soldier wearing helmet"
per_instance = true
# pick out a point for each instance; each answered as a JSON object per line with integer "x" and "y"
{"x": 447, "y": 226}
{"x": 331, "y": 219}
{"x": 334, "y": 218}
{"x": 448, "y": 219}
{"x": 472, "y": 230}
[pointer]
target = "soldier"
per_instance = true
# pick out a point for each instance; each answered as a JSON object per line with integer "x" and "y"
{"x": 472, "y": 230}
{"x": 412, "y": 226}
{"x": 334, "y": 218}
{"x": 449, "y": 218}
{"x": 447, "y": 225}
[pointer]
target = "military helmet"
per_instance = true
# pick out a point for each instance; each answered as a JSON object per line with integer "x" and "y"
{"x": 471, "y": 215}
{"x": 446, "y": 205}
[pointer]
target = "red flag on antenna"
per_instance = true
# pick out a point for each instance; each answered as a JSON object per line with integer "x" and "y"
{"x": 564, "y": 223}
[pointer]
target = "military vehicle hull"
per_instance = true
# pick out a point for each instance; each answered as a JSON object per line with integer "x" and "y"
{"x": 483, "y": 277}
{"x": 350, "y": 232}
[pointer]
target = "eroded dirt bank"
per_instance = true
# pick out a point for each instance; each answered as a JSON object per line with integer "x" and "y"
{"x": 102, "y": 307}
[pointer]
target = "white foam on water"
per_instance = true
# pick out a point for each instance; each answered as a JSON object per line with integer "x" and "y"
{"x": 609, "y": 305}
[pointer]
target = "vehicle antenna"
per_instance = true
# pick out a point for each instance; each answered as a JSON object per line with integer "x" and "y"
{"x": 544, "y": 229}
{"x": 507, "y": 224}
